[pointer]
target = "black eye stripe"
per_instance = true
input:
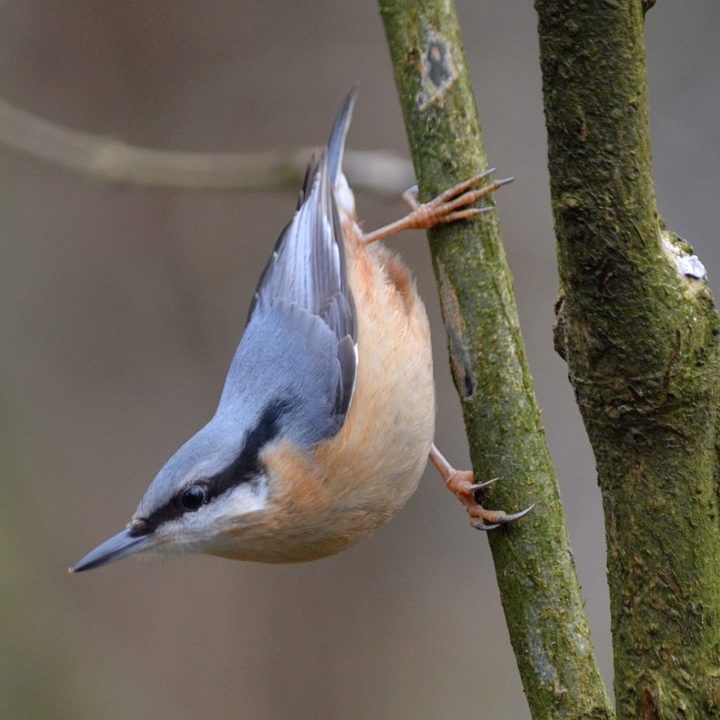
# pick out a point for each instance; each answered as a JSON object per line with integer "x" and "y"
{"x": 243, "y": 468}
{"x": 247, "y": 464}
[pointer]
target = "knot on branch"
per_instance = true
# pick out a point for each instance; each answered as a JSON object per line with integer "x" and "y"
{"x": 560, "y": 329}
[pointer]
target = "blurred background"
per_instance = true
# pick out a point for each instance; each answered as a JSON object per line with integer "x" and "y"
{"x": 121, "y": 306}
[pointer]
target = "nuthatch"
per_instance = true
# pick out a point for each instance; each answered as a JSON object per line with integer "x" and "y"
{"x": 326, "y": 419}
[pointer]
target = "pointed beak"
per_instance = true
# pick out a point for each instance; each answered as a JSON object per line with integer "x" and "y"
{"x": 127, "y": 542}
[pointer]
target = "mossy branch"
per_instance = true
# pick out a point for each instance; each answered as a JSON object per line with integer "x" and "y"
{"x": 534, "y": 566}
{"x": 639, "y": 331}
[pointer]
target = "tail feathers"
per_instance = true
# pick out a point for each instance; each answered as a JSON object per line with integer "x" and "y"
{"x": 336, "y": 143}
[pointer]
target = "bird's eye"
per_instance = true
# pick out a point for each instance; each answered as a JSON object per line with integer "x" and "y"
{"x": 193, "y": 497}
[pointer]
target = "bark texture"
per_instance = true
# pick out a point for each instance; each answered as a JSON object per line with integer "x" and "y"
{"x": 639, "y": 330}
{"x": 535, "y": 570}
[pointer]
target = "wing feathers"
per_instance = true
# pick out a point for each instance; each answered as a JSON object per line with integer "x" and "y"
{"x": 336, "y": 143}
{"x": 308, "y": 269}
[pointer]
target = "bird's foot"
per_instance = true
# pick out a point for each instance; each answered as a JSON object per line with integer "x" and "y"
{"x": 453, "y": 204}
{"x": 462, "y": 484}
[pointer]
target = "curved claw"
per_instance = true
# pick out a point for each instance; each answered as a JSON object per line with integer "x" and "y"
{"x": 517, "y": 515}
{"x": 480, "y": 525}
{"x": 479, "y": 486}
{"x": 500, "y": 518}
{"x": 460, "y": 483}
{"x": 412, "y": 197}
{"x": 467, "y": 214}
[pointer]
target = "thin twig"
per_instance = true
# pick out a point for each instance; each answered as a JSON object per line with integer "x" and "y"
{"x": 105, "y": 159}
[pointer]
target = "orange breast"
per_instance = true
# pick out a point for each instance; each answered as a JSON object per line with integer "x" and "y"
{"x": 351, "y": 484}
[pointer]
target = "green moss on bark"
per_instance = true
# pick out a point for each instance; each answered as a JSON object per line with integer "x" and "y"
{"x": 639, "y": 331}
{"x": 534, "y": 566}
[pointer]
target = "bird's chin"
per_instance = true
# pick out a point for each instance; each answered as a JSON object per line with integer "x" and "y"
{"x": 275, "y": 545}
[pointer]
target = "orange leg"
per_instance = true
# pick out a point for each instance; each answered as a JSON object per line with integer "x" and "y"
{"x": 451, "y": 205}
{"x": 461, "y": 484}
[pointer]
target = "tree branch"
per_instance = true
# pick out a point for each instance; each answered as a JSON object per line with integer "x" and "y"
{"x": 535, "y": 571}
{"x": 111, "y": 160}
{"x": 639, "y": 331}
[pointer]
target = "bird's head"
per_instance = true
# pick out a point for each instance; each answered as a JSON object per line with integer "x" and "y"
{"x": 213, "y": 484}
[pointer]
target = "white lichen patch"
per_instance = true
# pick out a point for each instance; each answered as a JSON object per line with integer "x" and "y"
{"x": 542, "y": 662}
{"x": 691, "y": 266}
{"x": 687, "y": 264}
{"x": 580, "y": 639}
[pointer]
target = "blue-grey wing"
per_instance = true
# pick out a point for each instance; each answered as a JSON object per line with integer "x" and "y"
{"x": 301, "y": 337}
{"x": 289, "y": 358}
